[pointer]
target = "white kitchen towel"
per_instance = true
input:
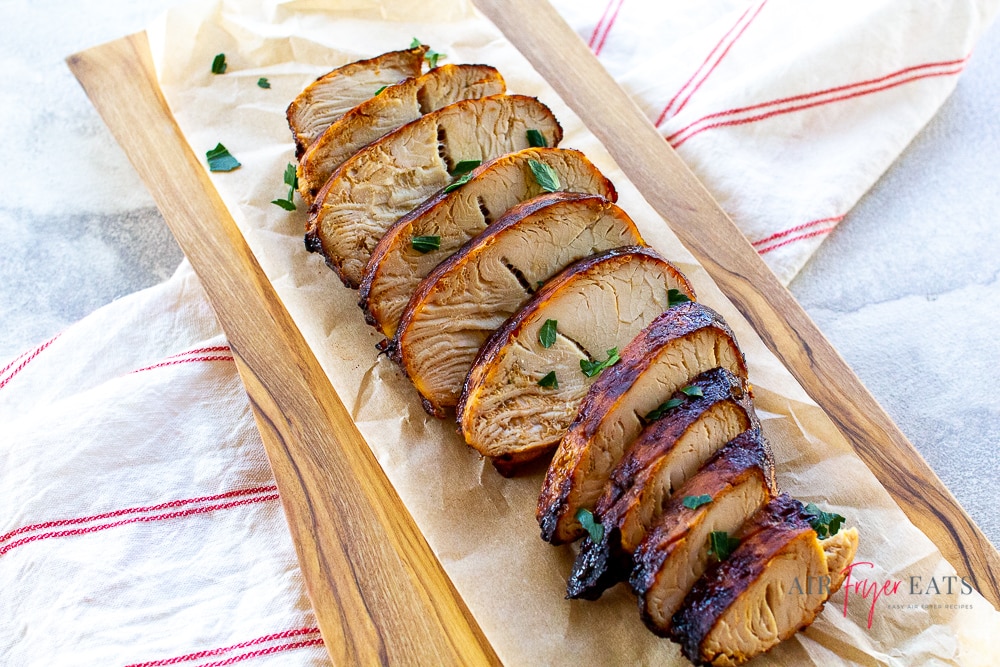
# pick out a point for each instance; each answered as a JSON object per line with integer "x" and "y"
{"x": 139, "y": 520}
{"x": 788, "y": 111}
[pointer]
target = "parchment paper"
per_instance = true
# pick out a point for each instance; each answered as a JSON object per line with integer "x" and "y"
{"x": 481, "y": 525}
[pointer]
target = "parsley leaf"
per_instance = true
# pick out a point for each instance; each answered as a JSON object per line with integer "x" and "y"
{"x": 549, "y": 381}
{"x": 219, "y": 159}
{"x": 692, "y": 390}
{"x": 545, "y": 175}
{"x": 676, "y": 297}
{"x": 547, "y": 334}
{"x": 826, "y": 524}
{"x": 592, "y": 368}
{"x": 662, "y": 409}
{"x": 292, "y": 181}
{"x": 263, "y": 82}
{"x": 721, "y": 545}
{"x": 694, "y": 502}
{"x": 416, "y": 43}
{"x": 425, "y": 244}
{"x": 536, "y": 139}
{"x": 219, "y": 64}
{"x": 595, "y": 529}
{"x": 431, "y": 56}
{"x": 379, "y": 91}
{"x": 464, "y": 167}
{"x": 462, "y": 180}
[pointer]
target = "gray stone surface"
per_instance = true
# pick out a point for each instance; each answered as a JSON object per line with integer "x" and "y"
{"x": 906, "y": 287}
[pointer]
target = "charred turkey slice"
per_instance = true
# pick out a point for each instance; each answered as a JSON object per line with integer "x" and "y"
{"x": 771, "y": 586}
{"x": 470, "y": 294}
{"x": 686, "y": 340}
{"x": 395, "y": 268}
{"x": 392, "y": 176}
{"x": 508, "y": 411}
{"x": 712, "y": 410}
{"x": 332, "y": 95}
{"x": 394, "y": 107}
{"x": 739, "y": 479}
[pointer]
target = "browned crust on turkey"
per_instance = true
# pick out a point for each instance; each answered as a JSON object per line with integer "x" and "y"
{"x": 533, "y": 212}
{"x": 485, "y": 184}
{"x": 562, "y": 493}
{"x": 408, "y": 62}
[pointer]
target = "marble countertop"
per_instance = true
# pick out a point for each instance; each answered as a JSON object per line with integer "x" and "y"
{"x": 905, "y": 288}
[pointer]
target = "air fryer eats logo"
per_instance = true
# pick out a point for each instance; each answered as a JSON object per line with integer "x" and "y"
{"x": 921, "y": 590}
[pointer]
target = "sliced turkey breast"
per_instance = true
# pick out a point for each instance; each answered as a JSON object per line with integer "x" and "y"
{"x": 522, "y": 393}
{"x": 396, "y": 268}
{"x": 774, "y": 584}
{"x": 739, "y": 480}
{"x": 686, "y": 340}
{"x": 706, "y": 414}
{"x": 470, "y": 294}
{"x": 392, "y": 176}
{"x": 332, "y": 95}
{"x": 389, "y": 110}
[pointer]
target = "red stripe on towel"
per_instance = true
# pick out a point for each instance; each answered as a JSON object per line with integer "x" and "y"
{"x": 136, "y": 519}
{"x": 783, "y": 106}
{"x": 796, "y": 228}
{"x": 186, "y": 360}
{"x": 708, "y": 59}
{"x": 611, "y": 22}
{"x": 600, "y": 25}
{"x": 201, "y": 350}
{"x": 31, "y": 355}
{"x": 266, "y": 651}
{"x": 136, "y": 510}
{"x": 226, "y": 649}
{"x": 802, "y": 237}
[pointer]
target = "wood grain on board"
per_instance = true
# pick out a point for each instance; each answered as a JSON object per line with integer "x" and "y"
{"x": 568, "y": 65}
{"x": 380, "y": 594}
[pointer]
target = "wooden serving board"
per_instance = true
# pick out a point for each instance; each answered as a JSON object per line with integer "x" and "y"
{"x": 379, "y": 592}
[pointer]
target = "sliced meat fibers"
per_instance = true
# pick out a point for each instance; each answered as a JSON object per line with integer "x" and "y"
{"x": 396, "y": 268}
{"x": 471, "y": 293}
{"x": 712, "y": 410}
{"x": 389, "y": 110}
{"x": 766, "y": 590}
{"x": 739, "y": 480}
{"x": 686, "y": 340}
{"x": 520, "y": 396}
{"x": 335, "y": 93}
{"x": 392, "y": 176}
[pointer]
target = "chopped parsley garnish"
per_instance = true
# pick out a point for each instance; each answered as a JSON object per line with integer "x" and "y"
{"x": 593, "y": 528}
{"x": 826, "y": 524}
{"x": 692, "y": 390}
{"x": 549, "y": 381}
{"x": 425, "y": 244}
{"x": 547, "y": 334}
{"x": 219, "y": 64}
{"x": 464, "y": 167}
{"x": 459, "y": 182}
{"x": 694, "y": 502}
{"x": 263, "y": 82}
{"x": 219, "y": 159}
{"x": 431, "y": 56}
{"x": 379, "y": 91}
{"x": 676, "y": 297}
{"x": 292, "y": 181}
{"x": 663, "y": 408}
{"x": 536, "y": 139}
{"x": 592, "y": 368}
{"x": 721, "y": 545}
{"x": 545, "y": 175}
